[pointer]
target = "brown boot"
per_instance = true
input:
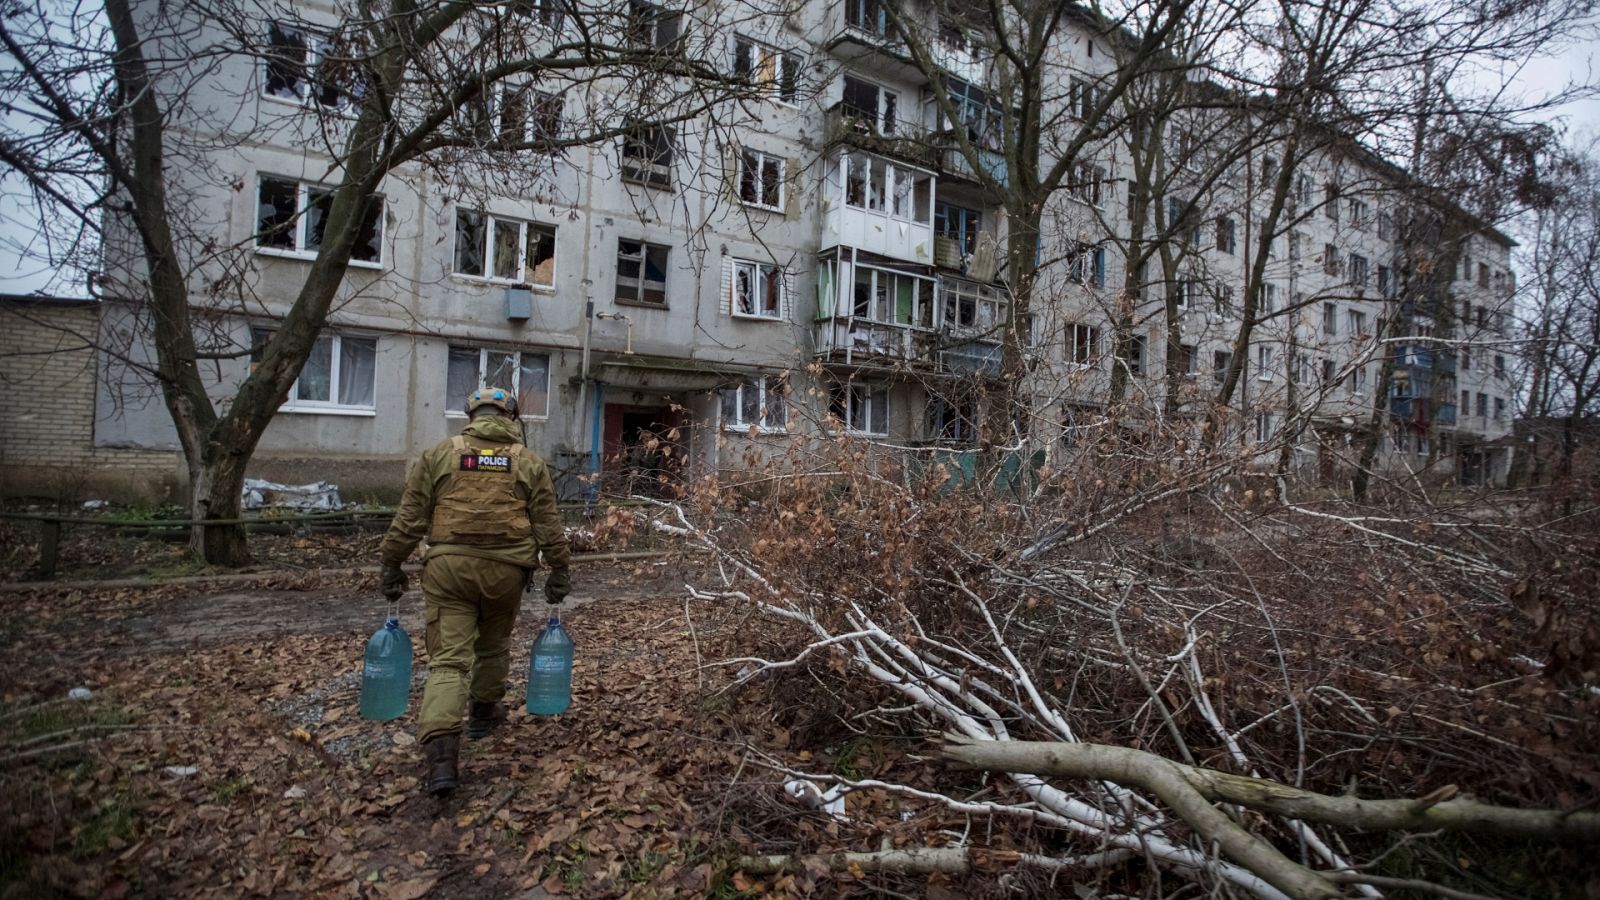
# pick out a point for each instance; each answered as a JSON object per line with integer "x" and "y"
{"x": 442, "y": 752}
{"x": 485, "y": 716}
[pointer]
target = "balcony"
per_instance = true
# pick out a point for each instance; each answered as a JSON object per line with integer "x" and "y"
{"x": 879, "y": 205}
{"x": 844, "y": 125}
{"x": 973, "y": 315}
{"x": 973, "y": 358}
{"x": 858, "y": 340}
{"x": 862, "y": 37}
{"x": 954, "y": 164}
{"x": 872, "y": 312}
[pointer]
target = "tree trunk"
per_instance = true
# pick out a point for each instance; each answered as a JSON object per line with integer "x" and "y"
{"x": 1388, "y": 326}
{"x": 1437, "y": 810}
{"x": 216, "y": 493}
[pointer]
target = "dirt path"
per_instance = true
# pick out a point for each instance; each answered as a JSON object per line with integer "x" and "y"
{"x": 228, "y": 759}
{"x": 203, "y": 619}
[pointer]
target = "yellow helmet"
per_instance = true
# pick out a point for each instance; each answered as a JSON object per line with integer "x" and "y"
{"x": 500, "y": 398}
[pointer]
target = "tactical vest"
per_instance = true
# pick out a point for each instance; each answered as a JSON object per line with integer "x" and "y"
{"x": 480, "y": 504}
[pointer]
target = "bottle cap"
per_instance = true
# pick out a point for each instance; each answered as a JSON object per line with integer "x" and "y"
{"x": 392, "y": 622}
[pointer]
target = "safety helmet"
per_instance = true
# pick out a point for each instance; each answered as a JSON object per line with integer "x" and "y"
{"x": 500, "y": 398}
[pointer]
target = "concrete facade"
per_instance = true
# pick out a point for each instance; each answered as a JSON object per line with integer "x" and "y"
{"x": 856, "y": 234}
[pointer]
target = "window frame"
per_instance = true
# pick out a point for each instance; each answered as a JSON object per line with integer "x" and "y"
{"x": 1356, "y": 270}
{"x": 952, "y": 422}
{"x": 483, "y": 352}
{"x": 308, "y": 90}
{"x": 526, "y": 231}
{"x": 968, "y": 224}
{"x": 1138, "y": 363}
{"x": 293, "y": 403}
{"x": 756, "y": 269}
{"x": 749, "y": 156}
{"x": 645, "y": 25}
{"x": 300, "y": 232}
{"x": 1086, "y": 264}
{"x": 767, "y": 387}
{"x": 1264, "y": 356}
{"x": 1227, "y": 235}
{"x": 1085, "y": 184}
{"x": 1265, "y": 427}
{"x": 647, "y": 155}
{"x": 887, "y": 193}
{"x": 784, "y": 88}
{"x": 856, "y": 12}
{"x": 885, "y": 116}
{"x": 1080, "y": 335}
{"x": 882, "y": 284}
{"x": 642, "y": 257}
{"x": 1356, "y": 322}
{"x": 858, "y": 395}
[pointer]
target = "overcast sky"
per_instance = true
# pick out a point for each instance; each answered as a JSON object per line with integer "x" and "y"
{"x": 1571, "y": 64}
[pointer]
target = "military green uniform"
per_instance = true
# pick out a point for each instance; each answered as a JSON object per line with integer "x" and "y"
{"x": 488, "y": 509}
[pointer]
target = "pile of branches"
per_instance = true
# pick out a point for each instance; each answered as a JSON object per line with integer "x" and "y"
{"x": 1179, "y": 663}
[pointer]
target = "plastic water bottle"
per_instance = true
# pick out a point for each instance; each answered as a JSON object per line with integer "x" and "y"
{"x": 386, "y": 673}
{"x": 550, "y": 670}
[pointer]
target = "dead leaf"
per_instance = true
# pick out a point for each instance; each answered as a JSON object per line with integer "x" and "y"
{"x": 410, "y": 889}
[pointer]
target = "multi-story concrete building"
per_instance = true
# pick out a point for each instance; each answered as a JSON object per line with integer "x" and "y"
{"x": 685, "y": 295}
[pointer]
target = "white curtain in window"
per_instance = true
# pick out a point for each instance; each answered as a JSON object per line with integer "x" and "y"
{"x": 461, "y": 378}
{"x": 317, "y": 375}
{"x": 500, "y": 370}
{"x": 533, "y": 386}
{"x": 358, "y": 360}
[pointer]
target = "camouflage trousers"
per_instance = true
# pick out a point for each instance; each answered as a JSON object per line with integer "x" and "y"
{"x": 471, "y": 608}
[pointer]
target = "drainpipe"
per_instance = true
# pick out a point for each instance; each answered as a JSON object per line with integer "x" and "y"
{"x": 583, "y": 376}
{"x": 588, "y": 332}
{"x": 594, "y": 446}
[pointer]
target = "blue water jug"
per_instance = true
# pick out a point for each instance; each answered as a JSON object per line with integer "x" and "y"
{"x": 550, "y": 670}
{"x": 386, "y": 673}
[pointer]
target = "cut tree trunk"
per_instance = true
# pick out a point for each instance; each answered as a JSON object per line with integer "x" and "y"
{"x": 1435, "y": 811}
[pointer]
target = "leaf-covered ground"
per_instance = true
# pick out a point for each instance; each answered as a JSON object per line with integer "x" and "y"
{"x": 292, "y": 794}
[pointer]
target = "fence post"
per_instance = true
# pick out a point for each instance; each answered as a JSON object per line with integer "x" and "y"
{"x": 49, "y": 547}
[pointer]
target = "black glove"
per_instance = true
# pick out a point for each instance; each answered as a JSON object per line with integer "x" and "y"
{"x": 557, "y": 586}
{"x": 394, "y": 582}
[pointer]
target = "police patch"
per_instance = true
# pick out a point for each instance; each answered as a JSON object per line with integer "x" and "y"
{"x": 485, "y": 462}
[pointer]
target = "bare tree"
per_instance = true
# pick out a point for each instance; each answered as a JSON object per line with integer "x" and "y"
{"x": 123, "y": 111}
{"x": 1562, "y": 319}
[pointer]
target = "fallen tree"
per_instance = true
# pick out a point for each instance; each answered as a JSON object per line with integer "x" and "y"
{"x": 1143, "y": 644}
{"x": 1136, "y": 768}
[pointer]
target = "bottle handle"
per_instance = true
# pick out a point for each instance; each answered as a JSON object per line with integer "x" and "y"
{"x": 555, "y": 614}
{"x": 394, "y": 608}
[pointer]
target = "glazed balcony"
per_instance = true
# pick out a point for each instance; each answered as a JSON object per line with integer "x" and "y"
{"x": 879, "y": 205}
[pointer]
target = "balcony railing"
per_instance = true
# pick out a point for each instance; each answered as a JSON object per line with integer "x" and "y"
{"x": 857, "y": 339}
{"x": 954, "y": 164}
{"x": 847, "y": 126}
{"x": 973, "y": 358}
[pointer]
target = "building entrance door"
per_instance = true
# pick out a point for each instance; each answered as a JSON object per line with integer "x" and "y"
{"x": 644, "y": 450}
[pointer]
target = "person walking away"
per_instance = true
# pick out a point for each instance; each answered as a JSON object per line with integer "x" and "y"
{"x": 488, "y": 509}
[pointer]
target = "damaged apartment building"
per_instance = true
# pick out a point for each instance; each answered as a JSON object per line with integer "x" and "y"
{"x": 670, "y": 300}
